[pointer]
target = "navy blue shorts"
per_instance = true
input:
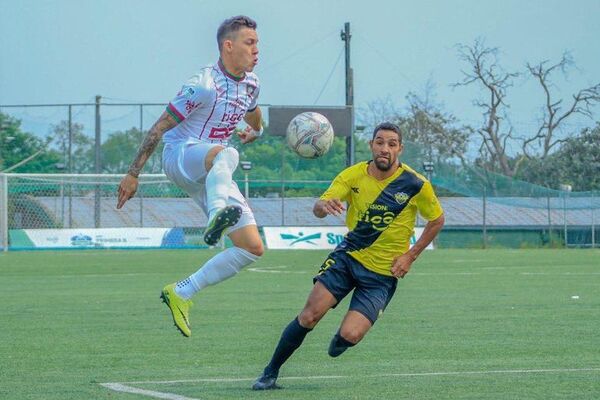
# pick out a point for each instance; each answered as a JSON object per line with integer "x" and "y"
{"x": 340, "y": 273}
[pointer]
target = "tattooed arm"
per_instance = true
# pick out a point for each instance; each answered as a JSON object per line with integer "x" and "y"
{"x": 129, "y": 183}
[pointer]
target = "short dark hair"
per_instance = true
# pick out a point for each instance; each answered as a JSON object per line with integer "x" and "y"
{"x": 388, "y": 126}
{"x": 231, "y": 26}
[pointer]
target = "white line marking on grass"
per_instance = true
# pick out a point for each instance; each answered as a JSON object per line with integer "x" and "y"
{"x": 278, "y": 269}
{"x": 125, "y": 388}
{"x": 118, "y": 387}
{"x": 560, "y": 273}
{"x": 445, "y": 273}
{"x": 407, "y": 374}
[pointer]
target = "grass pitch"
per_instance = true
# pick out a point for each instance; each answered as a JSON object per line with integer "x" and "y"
{"x": 464, "y": 324}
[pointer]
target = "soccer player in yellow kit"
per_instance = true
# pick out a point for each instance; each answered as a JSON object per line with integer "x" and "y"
{"x": 383, "y": 197}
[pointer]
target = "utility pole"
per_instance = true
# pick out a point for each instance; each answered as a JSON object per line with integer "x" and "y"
{"x": 345, "y": 35}
{"x": 97, "y": 165}
{"x": 70, "y": 165}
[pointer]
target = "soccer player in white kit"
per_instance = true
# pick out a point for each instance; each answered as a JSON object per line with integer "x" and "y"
{"x": 196, "y": 127}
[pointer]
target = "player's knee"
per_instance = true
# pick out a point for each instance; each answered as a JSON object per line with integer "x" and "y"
{"x": 352, "y": 335}
{"x": 255, "y": 248}
{"x": 309, "y": 318}
{"x": 229, "y": 156}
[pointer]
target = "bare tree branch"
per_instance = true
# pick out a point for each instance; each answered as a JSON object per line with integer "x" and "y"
{"x": 582, "y": 104}
{"x": 486, "y": 71}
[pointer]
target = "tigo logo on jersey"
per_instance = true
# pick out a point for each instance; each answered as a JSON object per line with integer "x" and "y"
{"x": 300, "y": 238}
{"x": 401, "y": 197}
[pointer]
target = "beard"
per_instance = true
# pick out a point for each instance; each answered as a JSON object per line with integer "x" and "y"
{"x": 383, "y": 164}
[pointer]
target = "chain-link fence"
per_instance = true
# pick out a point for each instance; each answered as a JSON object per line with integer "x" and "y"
{"x": 89, "y": 147}
{"x": 52, "y": 202}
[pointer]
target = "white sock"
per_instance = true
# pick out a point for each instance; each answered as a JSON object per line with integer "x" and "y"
{"x": 219, "y": 178}
{"x": 219, "y": 268}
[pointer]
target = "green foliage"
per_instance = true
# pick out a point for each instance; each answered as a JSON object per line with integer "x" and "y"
{"x": 16, "y": 146}
{"x": 82, "y": 147}
{"x": 119, "y": 150}
{"x": 273, "y": 160}
{"x": 576, "y": 162}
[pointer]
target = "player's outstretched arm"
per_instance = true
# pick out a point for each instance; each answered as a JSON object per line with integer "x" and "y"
{"x": 254, "y": 129}
{"x": 129, "y": 183}
{"x": 323, "y": 208}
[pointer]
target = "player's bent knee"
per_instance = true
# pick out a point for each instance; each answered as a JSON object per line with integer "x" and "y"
{"x": 257, "y": 249}
{"x": 309, "y": 318}
{"x": 229, "y": 156}
{"x": 210, "y": 156}
{"x": 352, "y": 335}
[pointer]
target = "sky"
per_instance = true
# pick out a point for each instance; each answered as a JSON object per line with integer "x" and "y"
{"x": 66, "y": 51}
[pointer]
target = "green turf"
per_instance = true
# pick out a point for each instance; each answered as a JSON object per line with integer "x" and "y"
{"x": 73, "y": 319}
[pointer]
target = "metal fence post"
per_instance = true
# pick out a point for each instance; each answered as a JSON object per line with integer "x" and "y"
{"x": 549, "y": 220}
{"x": 484, "y": 219}
{"x": 70, "y": 165}
{"x": 565, "y": 217}
{"x": 282, "y": 184}
{"x": 4, "y": 211}
{"x": 141, "y": 196}
{"x": 593, "y": 224}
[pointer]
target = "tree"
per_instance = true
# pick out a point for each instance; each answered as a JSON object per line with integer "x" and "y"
{"x": 580, "y": 160}
{"x": 376, "y": 112}
{"x": 495, "y": 137}
{"x": 82, "y": 160}
{"x": 438, "y": 134}
{"x": 121, "y": 147}
{"x": 576, "y": 162}
{"x": 17, "y": 147}
{"x": 553, "y": 114}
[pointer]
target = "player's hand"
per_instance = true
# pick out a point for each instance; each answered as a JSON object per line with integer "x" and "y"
{"x": 401, "y": 265}
{"x": 333, "y": 207}
{"x": 247, "y": 135}
{"x": 127, "y": 189}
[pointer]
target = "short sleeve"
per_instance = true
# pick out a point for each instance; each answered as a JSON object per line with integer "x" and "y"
{"x": 427, "y": 203}
{"x": 194, "y": 94}
{"x": 339, "y": 189}
{"x": 253, "y": 89}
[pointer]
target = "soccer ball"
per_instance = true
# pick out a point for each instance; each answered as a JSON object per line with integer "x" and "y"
{"x": 310, "y": 135}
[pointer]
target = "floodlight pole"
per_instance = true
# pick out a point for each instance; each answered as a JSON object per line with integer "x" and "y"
{"x": 345, "y": 35}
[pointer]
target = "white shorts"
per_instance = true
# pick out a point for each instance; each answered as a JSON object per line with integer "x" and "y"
{"x": 184, "y": 160}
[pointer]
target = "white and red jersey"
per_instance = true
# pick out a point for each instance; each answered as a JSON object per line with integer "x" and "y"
{"x": 211, "y": 104}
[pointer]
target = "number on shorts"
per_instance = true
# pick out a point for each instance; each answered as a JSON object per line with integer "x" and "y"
{"x": 328, "y": 263}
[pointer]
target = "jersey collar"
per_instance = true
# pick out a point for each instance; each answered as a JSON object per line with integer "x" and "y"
{"x": 227, "y": 73}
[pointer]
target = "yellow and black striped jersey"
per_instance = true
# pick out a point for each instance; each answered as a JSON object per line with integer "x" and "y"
{"x": 381, "y": 215}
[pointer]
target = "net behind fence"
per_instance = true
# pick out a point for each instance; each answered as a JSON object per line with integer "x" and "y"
{"x": 42, "y": 205}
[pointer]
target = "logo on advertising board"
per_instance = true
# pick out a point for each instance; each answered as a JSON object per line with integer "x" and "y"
{"x": 81, "y": 240}
{"x": 312, "y": 237}
{"x": 300, "y": 238}
{"x": 304, "y": 237}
